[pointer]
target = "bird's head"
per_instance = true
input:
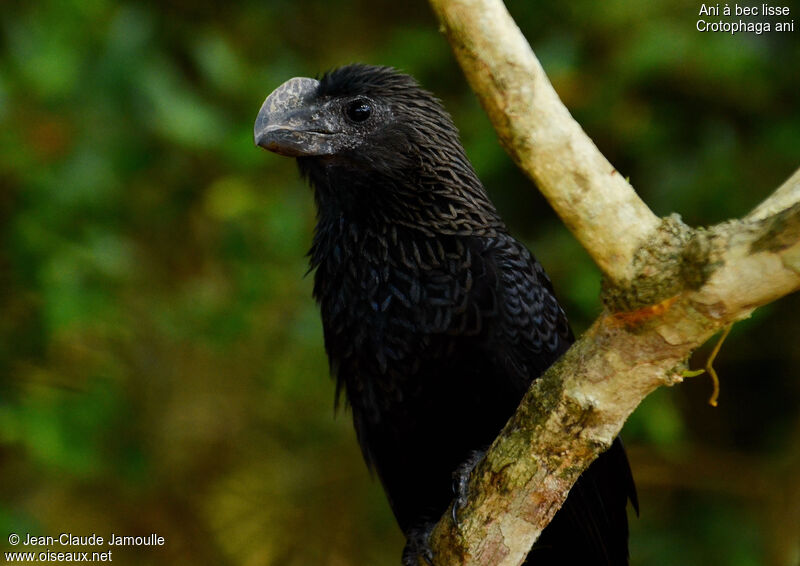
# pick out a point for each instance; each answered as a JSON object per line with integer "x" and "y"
{"x": 358, "y": 115}
{"x": 352, "y": 109}
{"x": 372, "y": 138}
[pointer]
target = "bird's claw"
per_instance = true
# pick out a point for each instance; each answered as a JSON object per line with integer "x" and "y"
{"x": 461, "y": 482}
{"x": 418, "y": 549}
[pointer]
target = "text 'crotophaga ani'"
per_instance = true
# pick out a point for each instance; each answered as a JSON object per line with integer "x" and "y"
{"x": 436, "y": 320}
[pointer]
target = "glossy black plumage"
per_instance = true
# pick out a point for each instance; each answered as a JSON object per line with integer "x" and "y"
{"x": 436, "y": 320}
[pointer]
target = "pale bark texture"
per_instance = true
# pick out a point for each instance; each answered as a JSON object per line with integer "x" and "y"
{"x": 668, "y": 289}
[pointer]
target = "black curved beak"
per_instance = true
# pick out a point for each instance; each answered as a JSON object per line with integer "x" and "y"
{"x": 291, "y": 123}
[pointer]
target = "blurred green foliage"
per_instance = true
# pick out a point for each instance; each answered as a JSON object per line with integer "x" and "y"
{"x": 161, "y": 358}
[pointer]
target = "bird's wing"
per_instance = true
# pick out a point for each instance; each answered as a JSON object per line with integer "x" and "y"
{"x": 531, "y": 330}
{"x": 531, "y": 333}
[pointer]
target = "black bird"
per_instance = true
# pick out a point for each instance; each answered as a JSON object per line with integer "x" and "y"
{"x": 436, "y": 320}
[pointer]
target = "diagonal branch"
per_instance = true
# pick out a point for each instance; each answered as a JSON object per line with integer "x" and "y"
{"x": 542, "y": 137}
{"x": 669, "y": 289}
{"x": 577, "y": 408}
{"x": 783, "y": 197}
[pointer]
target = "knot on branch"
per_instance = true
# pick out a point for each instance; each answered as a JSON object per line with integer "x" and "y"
{"x": 659, "y": 268}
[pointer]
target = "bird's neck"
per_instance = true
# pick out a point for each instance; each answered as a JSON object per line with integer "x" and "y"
{"x": 413, "y": 201}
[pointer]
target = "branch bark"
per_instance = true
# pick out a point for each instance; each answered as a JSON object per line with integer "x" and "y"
{"x": 538, "y": 132}
{"x": 668, "y": 289}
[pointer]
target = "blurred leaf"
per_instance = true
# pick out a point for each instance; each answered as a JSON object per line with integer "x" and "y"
{"x": 177, "y": 112}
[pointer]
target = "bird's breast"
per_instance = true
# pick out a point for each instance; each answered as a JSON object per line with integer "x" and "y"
{"x": 393, "y": 309}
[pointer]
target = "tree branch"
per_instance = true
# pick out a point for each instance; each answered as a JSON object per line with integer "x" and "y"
{"x": 541, "y": 136}
{"x": 783, "y": 197}
{"x": 669, "y": 288}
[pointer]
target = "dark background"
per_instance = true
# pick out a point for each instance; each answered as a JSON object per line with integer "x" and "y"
{"x": 161, "y": 359}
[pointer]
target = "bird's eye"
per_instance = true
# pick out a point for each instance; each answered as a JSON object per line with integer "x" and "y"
{"x": 358, "y": 110}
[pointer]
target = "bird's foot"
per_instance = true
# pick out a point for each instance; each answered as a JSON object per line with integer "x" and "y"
{"x": 418, "y": 549}
{"x": 461, "y": 481}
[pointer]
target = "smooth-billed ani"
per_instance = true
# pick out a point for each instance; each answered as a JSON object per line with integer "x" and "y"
{"x": 436, "y": 320}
